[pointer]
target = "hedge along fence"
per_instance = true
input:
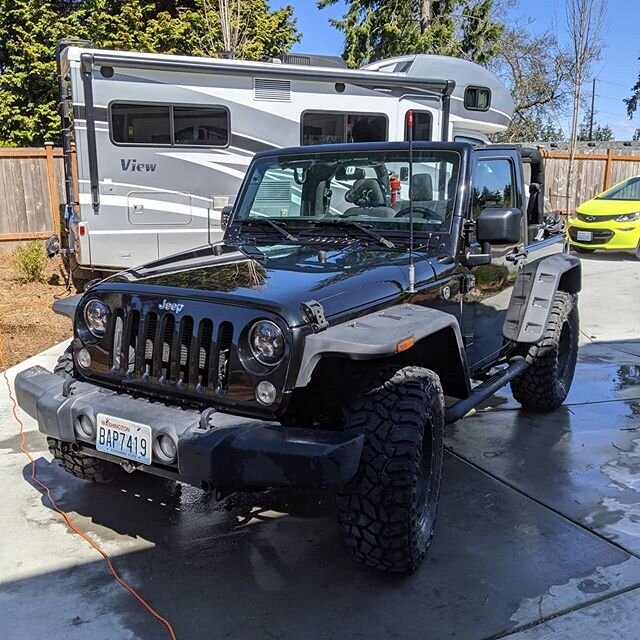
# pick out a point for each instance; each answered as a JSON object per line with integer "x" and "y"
{"x": 594, "y": 171}
{"x": 31, "y": 188}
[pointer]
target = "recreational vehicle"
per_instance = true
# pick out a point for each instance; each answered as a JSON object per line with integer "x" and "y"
{"x": 156, "y": 146}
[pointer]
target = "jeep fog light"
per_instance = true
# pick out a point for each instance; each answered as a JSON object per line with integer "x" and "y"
{"x": 266, "y": 393}
{"x": 84, "y": 358}
{"x": 165, "y": 448}
{"x": 85, "y": 428}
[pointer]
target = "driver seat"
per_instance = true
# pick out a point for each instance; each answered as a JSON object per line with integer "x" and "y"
{"x": 422, "y": 192}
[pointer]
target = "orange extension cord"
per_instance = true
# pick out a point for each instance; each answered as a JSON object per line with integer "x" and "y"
{"x": 65, "y": 515}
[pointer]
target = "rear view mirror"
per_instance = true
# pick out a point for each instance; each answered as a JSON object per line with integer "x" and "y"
{"x": 499, "y": 226}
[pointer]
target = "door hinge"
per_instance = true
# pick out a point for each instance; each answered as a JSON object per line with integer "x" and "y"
{"x": 314, "y": 313}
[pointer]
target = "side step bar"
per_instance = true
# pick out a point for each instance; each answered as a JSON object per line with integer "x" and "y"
{"x": 485, "y": 390}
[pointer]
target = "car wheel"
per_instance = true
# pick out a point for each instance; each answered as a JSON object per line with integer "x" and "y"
{"x": 75, "y": 462}
{"x": 387, "y": 513}
{"x": 545, "y": 383}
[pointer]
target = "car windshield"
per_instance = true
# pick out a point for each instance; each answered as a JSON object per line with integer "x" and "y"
{"x": 628, "y": 190}
{"x": 369, "y": 188}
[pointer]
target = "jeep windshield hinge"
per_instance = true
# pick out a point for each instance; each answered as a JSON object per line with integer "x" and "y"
{"x": 314, "y": 312}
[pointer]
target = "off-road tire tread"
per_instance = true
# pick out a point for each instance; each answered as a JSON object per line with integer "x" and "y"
{"x": 537, "y": 388}
{"x": 64, "y": 365}
{"x": 81, "y": 466}
{"x": 374, "y": 510}
{"x": 75, "y": 463}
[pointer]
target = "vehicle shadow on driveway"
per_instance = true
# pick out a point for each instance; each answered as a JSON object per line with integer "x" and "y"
{"x": 271, "y": 565}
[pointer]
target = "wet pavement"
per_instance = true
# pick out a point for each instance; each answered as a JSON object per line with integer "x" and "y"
{"x": 538, "y": 532}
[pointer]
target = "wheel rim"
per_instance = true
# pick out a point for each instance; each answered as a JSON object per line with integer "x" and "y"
{"x": 425, "y": 484}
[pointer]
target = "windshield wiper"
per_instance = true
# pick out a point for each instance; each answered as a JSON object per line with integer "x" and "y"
{"x": 381, "y": 240}
{"x": 266, "y": 221}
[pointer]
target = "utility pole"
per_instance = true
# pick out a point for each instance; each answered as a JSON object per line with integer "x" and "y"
{"x": 593, "y": 107}
{"x": 425, "y": 15}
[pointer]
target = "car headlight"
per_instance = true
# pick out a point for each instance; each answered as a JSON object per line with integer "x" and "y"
{"x": 629, "y": 217}
{"x": 266, "y": 342}
{"x": 96, "y": 315}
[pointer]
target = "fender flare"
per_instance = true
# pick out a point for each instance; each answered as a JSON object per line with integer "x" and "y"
{"x": 66, "y": 306}
{"x": 377, "y": 336}
{"x": 535, "y": 289}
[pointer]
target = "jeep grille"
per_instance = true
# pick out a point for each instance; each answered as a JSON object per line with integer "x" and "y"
{"x": 174, "y": 350}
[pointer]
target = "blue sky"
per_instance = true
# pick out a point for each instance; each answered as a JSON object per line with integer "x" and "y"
{"x": 616, "y": 72}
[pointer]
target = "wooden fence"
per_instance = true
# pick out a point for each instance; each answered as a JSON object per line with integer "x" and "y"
{"x": 594, "y": 171}
{"x": 32, "y": 185}
{"x": 31, "y": 188}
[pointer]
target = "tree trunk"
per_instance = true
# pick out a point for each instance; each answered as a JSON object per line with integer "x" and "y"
{"x": 425, "y": 15}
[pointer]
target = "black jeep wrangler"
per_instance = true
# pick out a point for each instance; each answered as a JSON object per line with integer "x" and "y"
{"x": 364, "y": 296}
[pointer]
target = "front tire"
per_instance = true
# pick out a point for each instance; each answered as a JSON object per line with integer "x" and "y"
{"x": 74, "y": 462}
{"x": 544, "y": 385}
{"x": 387, "y": 513}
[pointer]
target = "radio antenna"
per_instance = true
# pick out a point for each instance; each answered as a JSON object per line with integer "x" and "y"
{"x": 412, "y": 269}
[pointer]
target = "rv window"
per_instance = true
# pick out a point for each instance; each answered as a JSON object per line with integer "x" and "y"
{"x": 477, "y": 98}
{"x": 331, "y": 128}
{"x": 421, "y": 126}
{"x": 207, "y": 126}
{"x": 140, "y": 124}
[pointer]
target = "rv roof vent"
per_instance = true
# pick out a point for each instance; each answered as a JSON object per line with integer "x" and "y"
{"x": 268, "y": 89}
{"x": 292, "y": 58}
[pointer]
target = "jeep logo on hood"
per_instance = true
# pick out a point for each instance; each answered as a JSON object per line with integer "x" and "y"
{"x": 165, "y": 305}
{"x": 134, "y": 165}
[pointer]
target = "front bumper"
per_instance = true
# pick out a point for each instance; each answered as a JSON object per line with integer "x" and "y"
{"x": 214, "y": 449}
{"x": 613, "y": 236}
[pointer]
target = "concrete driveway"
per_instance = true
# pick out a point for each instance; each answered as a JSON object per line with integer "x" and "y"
{"x": 538, "y": 532}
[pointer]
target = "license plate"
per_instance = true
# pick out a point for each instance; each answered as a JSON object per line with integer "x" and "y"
{"x": 124, "y": 438}
{"x": 584, "y": 236}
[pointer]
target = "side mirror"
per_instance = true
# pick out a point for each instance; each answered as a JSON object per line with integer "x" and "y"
{"x": 404, "y": 174}
{"x": 226, "y": 214}
{"x": 499, "y": 226}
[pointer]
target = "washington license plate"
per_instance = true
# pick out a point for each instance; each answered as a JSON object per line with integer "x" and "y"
{"x": 124, "y": 438}
{"x": 584, "y": 236}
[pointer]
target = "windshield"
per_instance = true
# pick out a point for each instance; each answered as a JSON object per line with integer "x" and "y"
{"x": 628, "y": 190}
{"x": 371, "y": 188}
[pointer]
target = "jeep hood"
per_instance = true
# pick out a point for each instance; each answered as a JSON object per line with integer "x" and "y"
{"x": 343, "y": 280}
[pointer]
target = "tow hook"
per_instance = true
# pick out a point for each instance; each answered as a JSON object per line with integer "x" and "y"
{"x": 128, "y": 466}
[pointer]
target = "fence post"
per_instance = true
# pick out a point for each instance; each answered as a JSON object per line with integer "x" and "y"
{"x": 607, "y": 169}
{"x": 54, "y": 197}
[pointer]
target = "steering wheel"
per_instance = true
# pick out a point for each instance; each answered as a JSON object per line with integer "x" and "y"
{"x": 422, "y": 208}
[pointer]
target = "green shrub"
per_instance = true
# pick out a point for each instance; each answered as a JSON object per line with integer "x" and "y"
{"x": 29, "y": 261}
{"x": 491, "y": 277}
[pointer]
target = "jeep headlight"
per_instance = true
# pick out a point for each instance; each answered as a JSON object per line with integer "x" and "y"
{"x": 628, "y": 217}
{"x": 266, "y": 342}
{"x": 96, "y": 315}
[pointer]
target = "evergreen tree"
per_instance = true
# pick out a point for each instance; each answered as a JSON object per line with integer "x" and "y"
{"x": 30, "y": 29}
{"x": 376, "y": 29}
{"x": 601, "y": 132}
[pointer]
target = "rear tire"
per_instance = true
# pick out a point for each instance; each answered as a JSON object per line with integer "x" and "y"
{"x": 544, "y": 385}
{"x": 387, "y": 512}
{"x": 74, "y": 462}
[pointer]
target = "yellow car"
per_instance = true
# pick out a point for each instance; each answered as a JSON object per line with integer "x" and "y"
{"x": 610, "y": 221}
